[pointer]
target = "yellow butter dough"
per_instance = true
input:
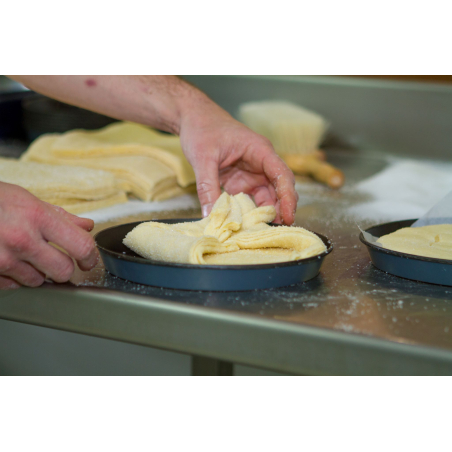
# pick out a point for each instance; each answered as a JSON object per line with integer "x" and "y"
{"x": 51, "y": 181}
{"x": 235, "y": 233}
{"x": 126, "y": 139}
{"x": 427, "y": 241}
{"x": 77, "y": 206}
{"x": 145, "y": 177}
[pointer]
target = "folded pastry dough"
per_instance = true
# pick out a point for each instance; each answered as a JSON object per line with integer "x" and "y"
{"x": 146, "y": 178}
{"x": 51, "y": 181}
{"x": 236, "y": 232}
{"x": 428, "y": 241}
{"x": 127, "y": 139}
{"x": 77, "y": 206}
{"x": 173, "y": 192}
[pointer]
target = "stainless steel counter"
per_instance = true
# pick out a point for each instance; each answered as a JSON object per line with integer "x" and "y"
{"x": 351, "y": 319}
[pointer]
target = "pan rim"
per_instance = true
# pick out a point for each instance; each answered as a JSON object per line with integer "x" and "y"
{"x": 143, "y": 261}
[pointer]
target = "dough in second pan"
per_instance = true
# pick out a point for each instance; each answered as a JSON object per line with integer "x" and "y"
{"x": 427, "y": 241}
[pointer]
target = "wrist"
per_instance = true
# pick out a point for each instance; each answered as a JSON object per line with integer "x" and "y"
{"x": 198, "y": 111}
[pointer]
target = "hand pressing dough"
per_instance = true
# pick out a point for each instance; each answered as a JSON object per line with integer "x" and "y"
{"x": 126, "y": 139}
{"x": 235, "y": 233}
{"x": 51, "y": 181}
{"x": 427, "y": 241}
{"x": 146, "y": 178}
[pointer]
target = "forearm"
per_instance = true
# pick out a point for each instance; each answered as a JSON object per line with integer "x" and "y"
{"x": 161, "y": 101}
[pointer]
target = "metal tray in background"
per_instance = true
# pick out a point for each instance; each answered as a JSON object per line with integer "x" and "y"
{"x": 409, "y": 266}
{"x": 126, "y": 264}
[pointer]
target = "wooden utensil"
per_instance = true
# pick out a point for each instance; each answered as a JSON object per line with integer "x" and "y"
{"x": 312, "y": 165}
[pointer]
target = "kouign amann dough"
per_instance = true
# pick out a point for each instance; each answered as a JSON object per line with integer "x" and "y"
{"x": 51, "y": 181}
{"x": 427, "y": 241}
{"x": 127, "y": 139}
{"x": 235, "y": 233}
{"x": 145, "y": 177}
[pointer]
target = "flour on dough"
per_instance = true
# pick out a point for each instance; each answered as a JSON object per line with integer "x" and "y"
{"x": 235, "y": 233}
{"x": 427, "y": 241}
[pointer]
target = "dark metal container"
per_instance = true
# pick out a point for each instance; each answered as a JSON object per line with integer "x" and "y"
{"x": 124, "y": 263}
{"x": 417, "y": 268}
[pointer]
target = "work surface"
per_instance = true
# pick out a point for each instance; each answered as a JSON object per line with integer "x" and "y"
{"x": 351, "y": 319}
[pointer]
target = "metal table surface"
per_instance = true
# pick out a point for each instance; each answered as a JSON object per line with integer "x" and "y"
{"x": 351, "y": 319}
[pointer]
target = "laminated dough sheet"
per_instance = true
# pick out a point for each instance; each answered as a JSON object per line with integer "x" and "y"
{"x": 58, "y": 181}
{"x": 145, "y": 177}
{"x": 77, "y": 206}
{"x": 173, "y": 192}
{"x": 427, "y": 241}
{"x": 129, "y": 139}
{"x": 236, "y": 232}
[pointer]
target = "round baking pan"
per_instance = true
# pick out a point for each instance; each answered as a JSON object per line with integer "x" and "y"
{"x": 409, "y": 266}
{"x": 126, "y": 264}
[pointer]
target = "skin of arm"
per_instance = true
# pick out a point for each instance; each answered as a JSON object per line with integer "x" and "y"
{"x": 223, "y": 153}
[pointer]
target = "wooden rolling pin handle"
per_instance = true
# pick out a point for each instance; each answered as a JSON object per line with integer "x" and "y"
{"x": 329, "y": 175}
{"x": 311, "y": 166}
{"x": 319, "y": 154}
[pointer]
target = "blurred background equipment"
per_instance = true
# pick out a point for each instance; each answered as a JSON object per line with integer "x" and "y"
{"x": 296, "y": 134}
{"x": 43, "y": 115}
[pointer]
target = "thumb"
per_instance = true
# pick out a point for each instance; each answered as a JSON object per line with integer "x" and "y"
{"x": 207, "y": 185}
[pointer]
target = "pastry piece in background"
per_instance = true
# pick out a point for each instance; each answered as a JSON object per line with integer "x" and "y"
{"x": 235, "y": 233}
{"x": 51, "y": 181}
{"x": 79, "y": 189}
{"x": 77, "y": 206}
{"x": 427, "y": 241}
{"x": 174, "y": 192}
{"x": 145, "y": 177}
{"x": 126, "y": 139}
{"x": 296, "y": 134}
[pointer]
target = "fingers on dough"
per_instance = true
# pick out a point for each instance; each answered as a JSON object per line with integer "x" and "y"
{"x": 234, "y": 225}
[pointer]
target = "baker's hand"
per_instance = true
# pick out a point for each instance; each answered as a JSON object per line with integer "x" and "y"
{"x": 27, "y": 225}
{"x": 226, "y": 153}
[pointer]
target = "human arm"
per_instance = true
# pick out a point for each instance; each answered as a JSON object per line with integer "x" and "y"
{"x": 223, "y": 152}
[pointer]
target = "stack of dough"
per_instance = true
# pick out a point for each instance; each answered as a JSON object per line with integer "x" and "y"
{"x": 235, "y": 233}
{"x": 428, "y": 241}
{"x": 151, "y": 164}
{"x": 76, "y": 189}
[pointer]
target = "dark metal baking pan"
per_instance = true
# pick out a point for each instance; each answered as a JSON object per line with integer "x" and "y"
{"x": 409, "y": 266}
{"x": 124, "y": 263}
